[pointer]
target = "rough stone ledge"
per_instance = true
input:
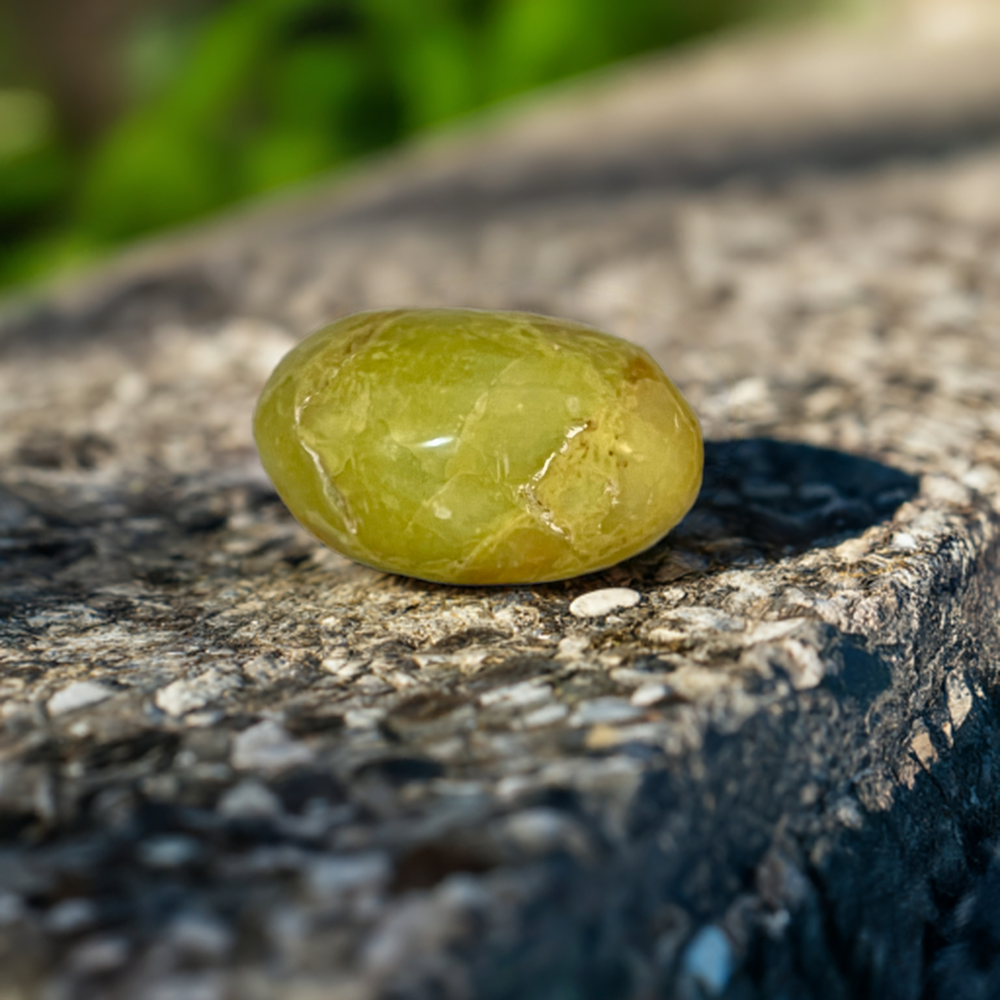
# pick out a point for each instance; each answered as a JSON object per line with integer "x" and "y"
{"x": 424, "y": 791}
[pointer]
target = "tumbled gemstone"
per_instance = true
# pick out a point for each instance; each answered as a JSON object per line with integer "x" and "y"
{"x": 475, "y": 447}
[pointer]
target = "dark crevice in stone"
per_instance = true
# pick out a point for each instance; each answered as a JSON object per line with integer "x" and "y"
{"x": 428, "y": 864}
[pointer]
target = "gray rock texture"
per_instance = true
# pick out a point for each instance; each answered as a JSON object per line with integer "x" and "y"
{"x": 234, "y": 765}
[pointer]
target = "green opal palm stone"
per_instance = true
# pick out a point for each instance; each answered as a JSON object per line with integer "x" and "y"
{"x": 477, "y": 447}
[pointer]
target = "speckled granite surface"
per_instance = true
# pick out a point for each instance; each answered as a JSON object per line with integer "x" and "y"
{"x": 232, "y": 764}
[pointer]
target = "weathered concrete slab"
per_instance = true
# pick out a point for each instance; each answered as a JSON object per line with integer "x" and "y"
{"x": 234, "y": 765}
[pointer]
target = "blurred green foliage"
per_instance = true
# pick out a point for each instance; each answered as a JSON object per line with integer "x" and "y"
{"x": 226, "y": 100}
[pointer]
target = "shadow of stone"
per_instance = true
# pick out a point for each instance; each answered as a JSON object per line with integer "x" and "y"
{"x": 782, "y": 495}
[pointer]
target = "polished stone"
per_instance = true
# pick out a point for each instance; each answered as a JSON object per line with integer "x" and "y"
{"x": 478, "y": 447}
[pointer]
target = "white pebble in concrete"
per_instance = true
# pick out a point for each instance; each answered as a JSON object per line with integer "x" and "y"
{"x": 249, "y": 800}
{"x": 708, "y": 961}
{"x": 328, "y": 877}
{"x": 71, "y": 916}
{"x": 604, "y": 711}
{"x": 649, "y": 693}
{"x": 269, "y": 747}
{"x": 12, "y": 908}
{"x": 169, "y": 851}
{"x": 198, "y": 937}
{"x": 99, "y": 955}
{"x": 79, "y": 694}
{"x": 189, "y": 694}
{"x": 602, "y": 602}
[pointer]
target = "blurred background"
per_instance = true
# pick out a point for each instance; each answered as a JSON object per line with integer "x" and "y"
{"x": 122, "y": 117}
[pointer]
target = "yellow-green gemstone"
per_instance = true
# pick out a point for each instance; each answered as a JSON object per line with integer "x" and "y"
{"x": 478, "y": 447}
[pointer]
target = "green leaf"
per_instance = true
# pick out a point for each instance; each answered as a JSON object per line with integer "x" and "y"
{"x": 284, "y": 156}
{"x": 149, "y": 174}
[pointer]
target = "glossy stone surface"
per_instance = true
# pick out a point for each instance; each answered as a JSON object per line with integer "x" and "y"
{"x": 478, "y": 447}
